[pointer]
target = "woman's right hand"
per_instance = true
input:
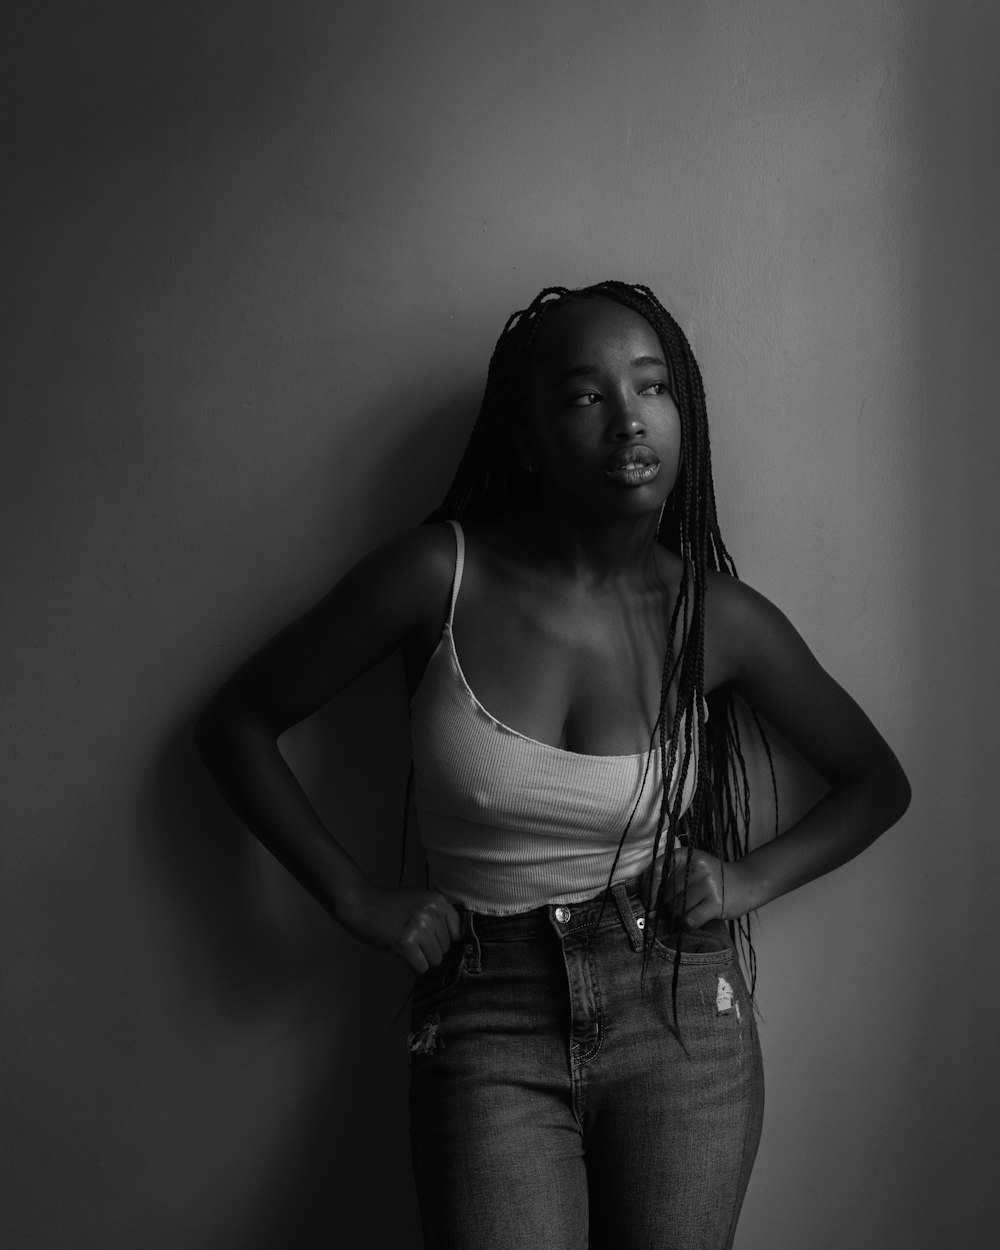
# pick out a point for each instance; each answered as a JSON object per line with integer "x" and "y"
{"x": 416, "y": 925}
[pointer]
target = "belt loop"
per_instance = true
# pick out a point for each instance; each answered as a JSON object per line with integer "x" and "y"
{"x": 471, "y": 952}
{"x": 620, "y": 894}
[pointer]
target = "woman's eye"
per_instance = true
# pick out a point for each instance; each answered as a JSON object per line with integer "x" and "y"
{"x": 657, "y": 388}
{"x": 585, "y": 400}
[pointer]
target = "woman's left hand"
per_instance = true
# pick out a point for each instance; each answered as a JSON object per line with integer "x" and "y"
{"x": 715, "y": 890}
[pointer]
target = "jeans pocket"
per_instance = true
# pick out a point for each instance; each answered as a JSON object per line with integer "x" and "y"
{"x": 710, "y": 946}
{"x": 437, "y": 985}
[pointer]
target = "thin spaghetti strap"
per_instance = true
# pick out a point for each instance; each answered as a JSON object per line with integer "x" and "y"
{"x": 459, "y": 567}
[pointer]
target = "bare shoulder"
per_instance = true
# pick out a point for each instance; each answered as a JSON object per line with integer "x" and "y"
{"x": 732, "y": 604}
{"x": 415, "y": 567}
{"x": 746, "y": 635}
{"x": 753, "y": 646}
{"x": 395, "y": 597}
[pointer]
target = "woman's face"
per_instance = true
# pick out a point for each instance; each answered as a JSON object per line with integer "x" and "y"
{"x": 602, "y": 431}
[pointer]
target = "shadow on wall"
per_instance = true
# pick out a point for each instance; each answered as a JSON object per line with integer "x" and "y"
{"x": 268, "y": 959}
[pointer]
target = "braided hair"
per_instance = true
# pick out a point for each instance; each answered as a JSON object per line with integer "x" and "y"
{"x": 490, "y": 479}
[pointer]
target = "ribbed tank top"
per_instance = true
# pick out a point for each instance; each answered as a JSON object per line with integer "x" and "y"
{"x": 509, "y": 823}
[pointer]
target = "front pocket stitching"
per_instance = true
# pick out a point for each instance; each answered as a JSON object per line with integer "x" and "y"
{"x": 695, "y": 959}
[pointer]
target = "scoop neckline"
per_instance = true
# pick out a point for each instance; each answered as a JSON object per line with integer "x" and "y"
{"x": 535, "y": 742}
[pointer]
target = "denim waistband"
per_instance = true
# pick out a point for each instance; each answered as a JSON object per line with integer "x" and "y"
{"x": 622, "y": 905}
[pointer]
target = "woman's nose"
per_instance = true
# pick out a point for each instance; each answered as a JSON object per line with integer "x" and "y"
{"x": 628, "y": 420}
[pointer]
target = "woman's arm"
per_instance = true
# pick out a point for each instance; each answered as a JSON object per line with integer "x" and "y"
{"x": 754, "y": 647}
{"x": 396, "y": 596}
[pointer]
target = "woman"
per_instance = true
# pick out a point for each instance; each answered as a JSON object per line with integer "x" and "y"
{"x": 584, "y": 1056}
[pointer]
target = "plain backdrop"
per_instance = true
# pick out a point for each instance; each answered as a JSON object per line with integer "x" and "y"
{"x": 255, "y": 257}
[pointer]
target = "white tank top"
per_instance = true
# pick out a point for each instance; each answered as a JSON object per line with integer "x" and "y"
{"x": 509, "y": 823}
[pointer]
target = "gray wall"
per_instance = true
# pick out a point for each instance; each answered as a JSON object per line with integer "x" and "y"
{"x": 255, "y": 258}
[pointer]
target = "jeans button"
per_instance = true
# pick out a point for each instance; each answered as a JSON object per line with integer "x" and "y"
{"x": 562, "y": 914}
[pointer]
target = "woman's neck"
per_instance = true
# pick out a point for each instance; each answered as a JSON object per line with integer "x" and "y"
{"x": 588, "y": 549}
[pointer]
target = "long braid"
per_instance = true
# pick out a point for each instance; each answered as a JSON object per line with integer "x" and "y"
{"x": 490, "y": 479}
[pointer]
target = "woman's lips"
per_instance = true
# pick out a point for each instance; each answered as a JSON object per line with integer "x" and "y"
{"x": 633, "y": 466}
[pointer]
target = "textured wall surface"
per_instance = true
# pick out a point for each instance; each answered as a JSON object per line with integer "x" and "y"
{"x": 254, "y": 260}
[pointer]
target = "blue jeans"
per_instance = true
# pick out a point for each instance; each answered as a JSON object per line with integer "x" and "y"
{"x": 555, "y": 1100}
